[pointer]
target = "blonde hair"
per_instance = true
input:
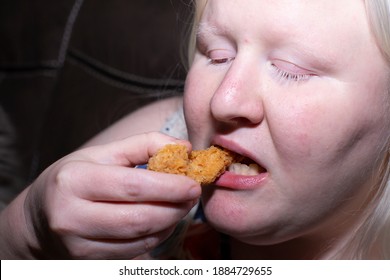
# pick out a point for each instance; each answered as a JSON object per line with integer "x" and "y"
{"x": 372, "y": 237}
{"x": 378, "y": 12}
{"x": 199, "y": 6}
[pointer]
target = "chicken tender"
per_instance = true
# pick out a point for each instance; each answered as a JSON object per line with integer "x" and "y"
{"x": 207, "y": 165}
{"x": 171, "y": 159}
{"x": 204, "y": 166}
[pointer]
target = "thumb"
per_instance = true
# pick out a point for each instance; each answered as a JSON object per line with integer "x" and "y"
{"x": 131, "y": 151}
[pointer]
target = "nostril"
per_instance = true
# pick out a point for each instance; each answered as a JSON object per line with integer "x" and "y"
{"x": 230, "y": 125}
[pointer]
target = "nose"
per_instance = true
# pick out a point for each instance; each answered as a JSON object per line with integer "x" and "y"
{"x": 238, "y": 99}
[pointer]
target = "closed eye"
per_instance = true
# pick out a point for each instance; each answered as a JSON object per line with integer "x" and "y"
{"x": 285, "y": 75}
{"x": 285, "y": 72}
{"x": 220, "y": 57}
{"x": 217, "y": 61}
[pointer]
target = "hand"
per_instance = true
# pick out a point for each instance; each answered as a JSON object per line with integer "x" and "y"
{"x": 93, "y": 205}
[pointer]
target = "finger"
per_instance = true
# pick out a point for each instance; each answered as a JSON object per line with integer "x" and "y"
{"x": 116, "y": 248}
{"x": 96, "y": 182}
{"x": 132, "y": 151}
{"x": 121, "y": 221}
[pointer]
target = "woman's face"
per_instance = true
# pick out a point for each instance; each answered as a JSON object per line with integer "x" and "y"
{"x": 300, "y": 88}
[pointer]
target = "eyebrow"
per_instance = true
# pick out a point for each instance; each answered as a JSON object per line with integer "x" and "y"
{"x": 205, "y": 29}
{"x": 327, "y": 62}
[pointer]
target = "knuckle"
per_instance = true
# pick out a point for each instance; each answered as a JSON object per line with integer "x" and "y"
{"x": 133, "y": 189}
{"x": 139, "y": 224}
{"x": 61, "y": 225}
{"x": 150, "y": 243}
{"x": 65, "y": 175}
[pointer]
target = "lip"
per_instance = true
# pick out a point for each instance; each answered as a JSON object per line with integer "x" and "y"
{"x": 240, "y": 182}
{"x": 236, "y": 181}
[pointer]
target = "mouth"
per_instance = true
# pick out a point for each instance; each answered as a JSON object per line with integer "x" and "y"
{"x": 245, "y": 172}
{"x": 246, "y": 167}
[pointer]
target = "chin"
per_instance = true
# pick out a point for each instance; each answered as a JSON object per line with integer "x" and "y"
{"x": 251, "y": 234}
{"x": 235, "y": 216}
{"x": 229, "y": 216}
{"x": 246, "y": 233}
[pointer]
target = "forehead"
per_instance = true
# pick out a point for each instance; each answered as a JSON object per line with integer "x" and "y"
{"x": 284, "y": 17}
{"x": 331, "y": 26}
{"x": 258, "y": 8}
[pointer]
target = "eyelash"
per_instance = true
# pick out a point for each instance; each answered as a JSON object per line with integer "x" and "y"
{"x": 280, "y": 74}
{"x": 219, "y": 61}
{"x": 284, "y": 75}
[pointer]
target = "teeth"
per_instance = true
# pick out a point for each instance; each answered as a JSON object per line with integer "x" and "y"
{"x": 243, "y": 169}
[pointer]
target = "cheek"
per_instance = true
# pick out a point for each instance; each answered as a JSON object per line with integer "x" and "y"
{"x": 295, "y": 132}
{"x": 197, "y": 95}
{"x": 320, "y": 135}
{"x": 192, "y": 100}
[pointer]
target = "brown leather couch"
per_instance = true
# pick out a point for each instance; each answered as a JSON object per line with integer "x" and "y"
{"x": 70, "y": 68}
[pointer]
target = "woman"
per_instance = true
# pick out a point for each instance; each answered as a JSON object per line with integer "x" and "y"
{"x": 300, "y": 88}
{"x": 312, "y": 113}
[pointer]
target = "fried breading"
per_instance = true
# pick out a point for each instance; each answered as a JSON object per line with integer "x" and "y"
{"x": 171, "y": 159}
{"x": 207, "y": 165}
{"x": 204, "y": 166}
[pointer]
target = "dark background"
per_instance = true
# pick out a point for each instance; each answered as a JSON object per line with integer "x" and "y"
{"x": 70, "y": 68}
